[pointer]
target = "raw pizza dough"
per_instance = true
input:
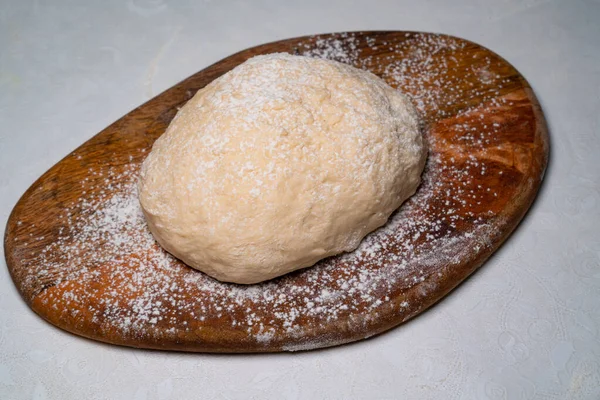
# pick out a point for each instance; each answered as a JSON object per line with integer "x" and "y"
{"x": 279, "y": 163}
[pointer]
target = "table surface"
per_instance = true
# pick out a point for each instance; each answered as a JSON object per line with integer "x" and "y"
{"x": 526, "y": 326}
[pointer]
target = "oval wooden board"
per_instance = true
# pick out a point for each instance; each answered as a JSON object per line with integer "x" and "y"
{"x": 80, "y": 254}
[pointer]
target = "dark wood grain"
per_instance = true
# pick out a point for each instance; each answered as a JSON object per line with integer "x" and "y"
{"x": 483, "y": 115}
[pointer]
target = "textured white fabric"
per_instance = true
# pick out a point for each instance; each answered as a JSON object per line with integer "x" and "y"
{"x": 526, "y": 326}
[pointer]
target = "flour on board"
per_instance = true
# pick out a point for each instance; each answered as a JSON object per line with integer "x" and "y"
{"x": 146, "y": 287}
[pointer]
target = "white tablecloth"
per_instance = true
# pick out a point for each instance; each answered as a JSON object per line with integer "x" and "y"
{"x": 525, "y": 326}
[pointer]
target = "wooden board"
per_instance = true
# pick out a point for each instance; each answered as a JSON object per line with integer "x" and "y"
{"x": 80, "y": 254}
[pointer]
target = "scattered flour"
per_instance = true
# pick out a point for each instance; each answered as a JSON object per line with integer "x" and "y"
{"x": 107, "y": 251}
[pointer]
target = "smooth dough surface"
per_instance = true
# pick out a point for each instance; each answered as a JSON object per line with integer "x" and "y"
{"x": 279, "y": 163}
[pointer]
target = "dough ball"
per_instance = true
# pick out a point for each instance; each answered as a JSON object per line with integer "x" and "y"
{"x": 279, "y": 163}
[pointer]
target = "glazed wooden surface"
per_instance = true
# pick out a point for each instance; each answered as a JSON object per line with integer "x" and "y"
{"x": 488, "y": 145}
